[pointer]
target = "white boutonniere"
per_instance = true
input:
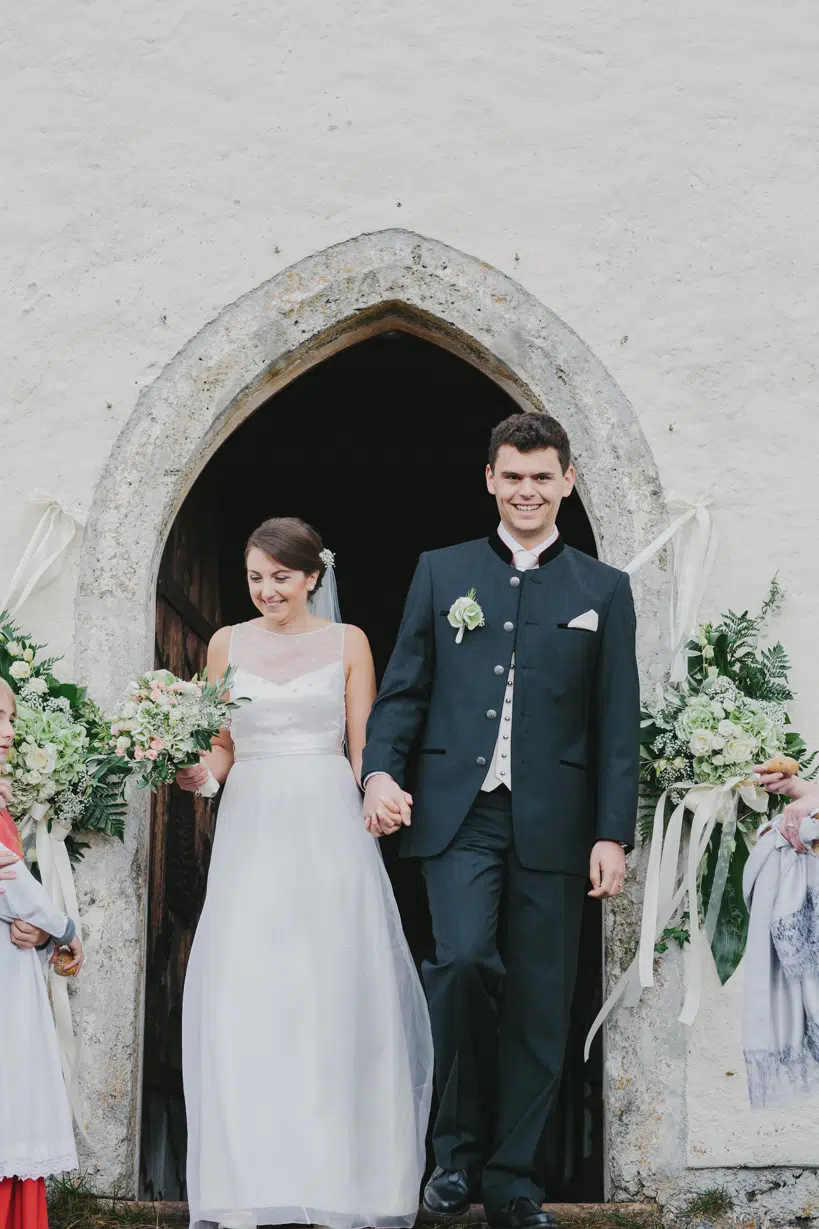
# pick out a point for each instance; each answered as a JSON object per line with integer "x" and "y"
{"x": 465, "y": 614}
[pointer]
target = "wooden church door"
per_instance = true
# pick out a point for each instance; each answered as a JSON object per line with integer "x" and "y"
{"x": 182, "y": 825}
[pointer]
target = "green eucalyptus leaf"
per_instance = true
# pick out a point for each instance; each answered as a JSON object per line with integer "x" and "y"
{"x": 731, "y": 931}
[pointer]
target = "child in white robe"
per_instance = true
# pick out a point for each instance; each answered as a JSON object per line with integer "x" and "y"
{"x": 36, "y": 1136}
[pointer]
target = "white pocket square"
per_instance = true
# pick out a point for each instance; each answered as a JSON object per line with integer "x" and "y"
{"x": 588, "y": 621}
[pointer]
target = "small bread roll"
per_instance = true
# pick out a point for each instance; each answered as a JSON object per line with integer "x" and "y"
{"x": 61, "y": 961}
{"x": 781, "y": 763}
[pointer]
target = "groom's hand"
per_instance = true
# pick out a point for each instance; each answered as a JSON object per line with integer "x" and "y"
{"x": 607, "y": 869}
{"x": 386, "y": 806}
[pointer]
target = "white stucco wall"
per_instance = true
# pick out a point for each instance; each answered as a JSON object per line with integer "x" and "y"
{"x": 648, "y": 172}
{"x": 721, "y": 1129}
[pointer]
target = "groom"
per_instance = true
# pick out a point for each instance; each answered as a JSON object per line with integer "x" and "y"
{"x": 527, "y": 727}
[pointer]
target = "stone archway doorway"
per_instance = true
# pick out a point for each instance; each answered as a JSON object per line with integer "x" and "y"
{"x": 256, "y": 347}
{"x": 382, "y": 446}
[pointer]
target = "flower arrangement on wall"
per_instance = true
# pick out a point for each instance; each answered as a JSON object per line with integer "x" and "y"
{"x": 700, "y": 741}
{"x": 63, "y": 770}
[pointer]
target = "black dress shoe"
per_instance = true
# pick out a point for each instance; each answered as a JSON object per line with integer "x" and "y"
{"x": 447, "y": 1193}
{"x": 520, "y": 1213}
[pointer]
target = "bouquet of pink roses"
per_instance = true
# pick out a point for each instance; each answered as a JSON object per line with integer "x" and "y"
{"x": 165, "y": 723}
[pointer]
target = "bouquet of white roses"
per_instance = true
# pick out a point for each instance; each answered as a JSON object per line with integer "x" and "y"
{"x": 166, "y": 723}
{"x": 728, "y": 715}
{"x": 49, "y": 751}
{"x": 60, "y": 765}
{"x": 713, "y": 734}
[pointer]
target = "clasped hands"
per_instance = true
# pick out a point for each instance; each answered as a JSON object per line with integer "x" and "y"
{"x": 387, "y": 807}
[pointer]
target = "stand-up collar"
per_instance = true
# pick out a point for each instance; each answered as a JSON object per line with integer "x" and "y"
{"x": 501, "y": 539}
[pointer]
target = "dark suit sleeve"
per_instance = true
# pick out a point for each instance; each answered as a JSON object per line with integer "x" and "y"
{"x": 400, "y": 710}
{"x": 618, "y": 721}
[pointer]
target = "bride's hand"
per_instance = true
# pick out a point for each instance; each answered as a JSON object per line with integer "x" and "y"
{"x": 192, "y": 779}
{"x": 6, "y": 792}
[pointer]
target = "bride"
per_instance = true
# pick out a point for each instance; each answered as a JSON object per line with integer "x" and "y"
{"x": 307, "y": 1055}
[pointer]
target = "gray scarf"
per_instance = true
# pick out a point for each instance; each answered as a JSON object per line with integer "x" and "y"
{"x": 781, "y": 1011}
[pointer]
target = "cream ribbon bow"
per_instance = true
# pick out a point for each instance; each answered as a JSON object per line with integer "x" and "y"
{"x": 693, "y": 560}
{"x": 665, "y": 893}
{"x": 45, "y": 550}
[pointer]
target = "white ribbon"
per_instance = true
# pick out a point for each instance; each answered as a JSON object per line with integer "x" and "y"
{"x": 665, "y": 894}
{"x": 45, "y": 550}
{"x": 58, "y": 880}
{"x": 693, "y": 559}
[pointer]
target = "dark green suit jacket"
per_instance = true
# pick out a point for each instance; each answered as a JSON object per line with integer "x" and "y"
{"x": 576, "y": 710}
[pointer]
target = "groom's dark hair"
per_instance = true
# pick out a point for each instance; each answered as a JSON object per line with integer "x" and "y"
{"x": 529, "y": 432}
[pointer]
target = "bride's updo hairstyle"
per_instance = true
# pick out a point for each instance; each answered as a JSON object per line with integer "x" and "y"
{"x": 292, "y": 543}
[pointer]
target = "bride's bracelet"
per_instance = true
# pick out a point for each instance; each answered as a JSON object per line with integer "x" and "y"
{"x": 210, "y": 788}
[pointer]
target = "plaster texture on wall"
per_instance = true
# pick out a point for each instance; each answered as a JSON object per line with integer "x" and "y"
{"x": 679, "y": 1120}
{"x": 648, "y": 172}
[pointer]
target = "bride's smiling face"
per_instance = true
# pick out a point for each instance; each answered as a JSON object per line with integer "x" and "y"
{"x": 280, "y": 594}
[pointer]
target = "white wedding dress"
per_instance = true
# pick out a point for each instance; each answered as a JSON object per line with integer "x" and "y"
{"x": 307, "y": 1053}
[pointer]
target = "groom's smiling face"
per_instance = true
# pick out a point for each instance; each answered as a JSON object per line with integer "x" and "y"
{"x": 529, "y": 488}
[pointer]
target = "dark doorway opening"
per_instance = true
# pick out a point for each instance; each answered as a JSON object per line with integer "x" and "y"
{"x": 382, "y": 447}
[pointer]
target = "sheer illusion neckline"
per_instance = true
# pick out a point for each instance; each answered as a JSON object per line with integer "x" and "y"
{"x": 289, "y": 635}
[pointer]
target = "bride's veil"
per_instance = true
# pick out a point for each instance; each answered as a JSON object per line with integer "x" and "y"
{"x": 324, "y": 604}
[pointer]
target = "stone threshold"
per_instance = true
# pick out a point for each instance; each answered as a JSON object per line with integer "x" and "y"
{"x": 579, "y": 1214}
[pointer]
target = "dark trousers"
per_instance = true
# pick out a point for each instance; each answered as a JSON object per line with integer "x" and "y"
{"x": 500, "y": 992}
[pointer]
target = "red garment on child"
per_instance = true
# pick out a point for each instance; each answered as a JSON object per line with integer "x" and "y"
{"x": 23, "y": 1203}
{"x": 9, "y": 836}
{"x": 22, "y": 1200}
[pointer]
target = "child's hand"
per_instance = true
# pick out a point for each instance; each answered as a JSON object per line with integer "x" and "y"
{"x": 24, "y": 935}
{"x": 71, "y": 967}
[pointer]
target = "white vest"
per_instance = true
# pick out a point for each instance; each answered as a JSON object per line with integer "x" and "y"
{"x": 500, "y": 769}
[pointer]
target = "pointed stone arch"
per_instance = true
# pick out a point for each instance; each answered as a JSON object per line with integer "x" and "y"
{"x": 374, "y": 283}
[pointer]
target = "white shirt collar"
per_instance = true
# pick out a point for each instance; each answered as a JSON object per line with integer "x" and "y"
{"x": 518, "y": 550}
